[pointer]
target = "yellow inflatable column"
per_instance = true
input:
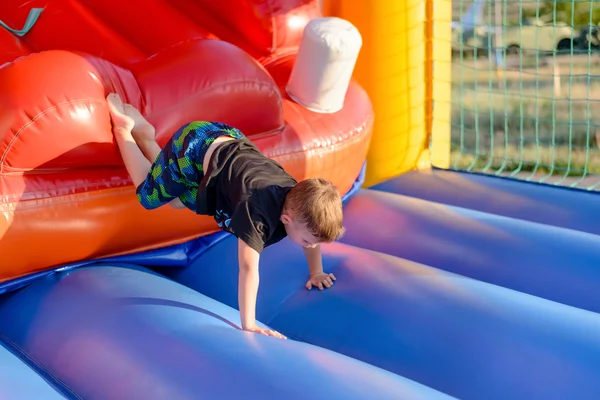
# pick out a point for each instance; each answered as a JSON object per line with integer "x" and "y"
{"x": 439, "y": 78}
{"x": 393, "y": 68}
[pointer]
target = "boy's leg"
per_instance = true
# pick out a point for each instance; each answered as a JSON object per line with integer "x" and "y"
{"x": 152, "y": 150}
{"x": 143, "y": 132}
{"x": 135, "y": 162}
{"x": 164, "y": 182}
{"x": 157, "y": 183}
{"x": 177, "y": 170}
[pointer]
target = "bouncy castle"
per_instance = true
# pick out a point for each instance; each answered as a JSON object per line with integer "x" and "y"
{"x": 449, "y": 284}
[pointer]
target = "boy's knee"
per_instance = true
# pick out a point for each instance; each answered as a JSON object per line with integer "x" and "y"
{"x": 177, "y": 204}
{"x": 146, "y": 201}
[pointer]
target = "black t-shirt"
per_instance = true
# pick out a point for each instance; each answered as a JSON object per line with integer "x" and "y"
{"x": 245, "y": 192}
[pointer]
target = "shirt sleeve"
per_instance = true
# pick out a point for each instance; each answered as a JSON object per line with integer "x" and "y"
{"x": 248, "y": 223}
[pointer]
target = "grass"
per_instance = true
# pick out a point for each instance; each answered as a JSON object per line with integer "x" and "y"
{"x": 534, "y": 119}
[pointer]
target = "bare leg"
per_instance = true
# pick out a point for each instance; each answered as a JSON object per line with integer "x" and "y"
{"x": 124, "y": 122}
{"x": 143, "y": 132}
{"x": 136, "y": 163}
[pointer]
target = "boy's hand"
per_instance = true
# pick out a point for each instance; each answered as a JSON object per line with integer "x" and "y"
{"x": 266, "y": 332}
{"x": 315, "y": 267}
{"x": 319, "y": 280}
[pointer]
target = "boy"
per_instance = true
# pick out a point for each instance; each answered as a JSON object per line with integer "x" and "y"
{"x": 212, "y": 169}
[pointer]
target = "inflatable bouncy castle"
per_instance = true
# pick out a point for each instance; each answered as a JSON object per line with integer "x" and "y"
{"x": 449, "y": 285}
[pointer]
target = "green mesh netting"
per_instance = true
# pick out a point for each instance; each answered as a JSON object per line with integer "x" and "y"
{"x": 526, "y": 90}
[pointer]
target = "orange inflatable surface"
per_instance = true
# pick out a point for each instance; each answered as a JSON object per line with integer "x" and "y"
{"x": 64, "y": 192}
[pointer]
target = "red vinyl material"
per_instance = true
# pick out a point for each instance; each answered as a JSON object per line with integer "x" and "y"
{"x": 64, "y": 192}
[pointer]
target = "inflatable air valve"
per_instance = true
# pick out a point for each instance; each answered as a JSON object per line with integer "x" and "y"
{"x": 324, "y": 65}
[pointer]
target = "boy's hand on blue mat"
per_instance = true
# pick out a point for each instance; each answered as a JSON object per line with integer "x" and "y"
{"x": 267, "y": 332}
{"x": 319, "y": 280}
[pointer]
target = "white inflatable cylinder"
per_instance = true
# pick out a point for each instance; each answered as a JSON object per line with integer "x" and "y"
{"x": 324, "y": 64}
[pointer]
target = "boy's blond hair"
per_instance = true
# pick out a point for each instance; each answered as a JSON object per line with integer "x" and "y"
{"x": 317, "y": 203}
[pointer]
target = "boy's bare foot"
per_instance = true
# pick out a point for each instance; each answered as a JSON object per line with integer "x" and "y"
{"x": 122, "y": 124}
{"x": 127, "y": 117}
{"x": 142, "y": 129}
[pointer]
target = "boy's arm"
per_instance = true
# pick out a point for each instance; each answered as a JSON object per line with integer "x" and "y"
{"x": 315, "y": 269}
{"x": 313, "y": 257}
{"x": 248, "y": 259}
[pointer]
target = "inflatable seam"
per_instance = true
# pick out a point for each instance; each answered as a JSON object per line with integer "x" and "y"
{"x": 34, "y": 203}
{"x": 118, "y": 84}
{"x": 277, "y": 310}
{"x": 55, "y": 381}
{"x": 356, "y": 134}
{"x": 123, "y": 185}
{"x": 22, "y": 57}
{"x": 273, "y": 28}
{"x": 180, "y": 43}
{"x": 348, "y": 139}
{"x": 37, "y": 117}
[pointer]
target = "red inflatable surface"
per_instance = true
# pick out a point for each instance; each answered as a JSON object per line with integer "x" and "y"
{"x": 64, "y": 192}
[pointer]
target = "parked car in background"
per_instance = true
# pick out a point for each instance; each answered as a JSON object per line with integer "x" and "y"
{"x": 533, "y": 35}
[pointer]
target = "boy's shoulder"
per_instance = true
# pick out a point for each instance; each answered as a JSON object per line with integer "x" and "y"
{"x": 243, "y": 173}
{"x": 256, "y": 217}
{"x": 265, "y": 206}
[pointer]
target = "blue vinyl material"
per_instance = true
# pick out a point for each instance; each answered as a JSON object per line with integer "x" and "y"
{"x": 554, "y": 263}
{"x": 461, "y": 336}
{"x": 124, "y": 332}
{"x": 20, "y": 382}
{"x": 448, "y": 284}
{"x": 550, "y": 205}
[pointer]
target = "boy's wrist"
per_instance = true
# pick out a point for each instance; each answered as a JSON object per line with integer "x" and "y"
{"x": 248, "y": 324}
{"x": 314, "y": 261}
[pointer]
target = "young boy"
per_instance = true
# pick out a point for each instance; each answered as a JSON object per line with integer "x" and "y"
{"x": 212, "y": 169}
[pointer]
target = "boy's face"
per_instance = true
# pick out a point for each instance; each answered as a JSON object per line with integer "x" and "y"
{"x": 297, "y": 232}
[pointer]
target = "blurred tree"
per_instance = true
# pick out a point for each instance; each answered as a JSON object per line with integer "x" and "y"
{"x": 574, "y": 13}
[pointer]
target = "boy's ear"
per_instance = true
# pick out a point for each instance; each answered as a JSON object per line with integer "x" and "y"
{"x": 286, "y": 218}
